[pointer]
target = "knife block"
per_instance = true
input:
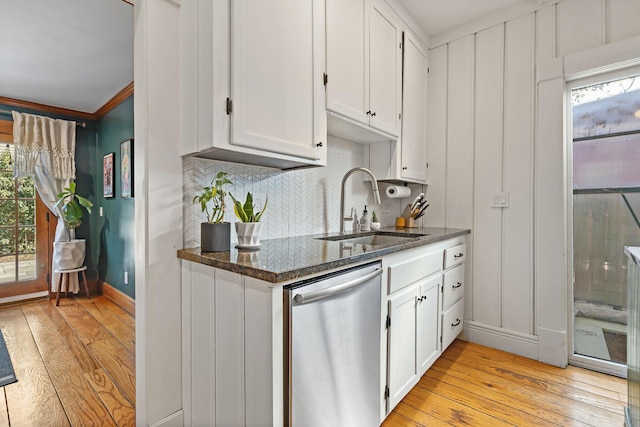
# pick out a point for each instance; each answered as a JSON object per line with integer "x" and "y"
{"x": 409, "y": 222}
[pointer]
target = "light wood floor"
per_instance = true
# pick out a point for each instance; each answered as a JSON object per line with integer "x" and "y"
{"x": 472, "y": 385}
{"x": 75, "y": 364}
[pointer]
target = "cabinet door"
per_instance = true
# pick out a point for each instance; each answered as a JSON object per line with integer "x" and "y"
{"x": 402, "y": 344}
{"x": 427, "y": 323}
{"x": 414, "y": 110}
{"x": 385, "y": 68}
{"x": 277, "y": 62}
{"x": 348, "y": 58}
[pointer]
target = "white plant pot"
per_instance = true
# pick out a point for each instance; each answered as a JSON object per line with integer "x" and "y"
{"x": 375, "y": 226}
{"x": 69, "y": 255}
{"x": 248, "y": 234}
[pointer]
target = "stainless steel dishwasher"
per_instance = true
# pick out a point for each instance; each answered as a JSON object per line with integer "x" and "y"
{"x": 332, "y": 349}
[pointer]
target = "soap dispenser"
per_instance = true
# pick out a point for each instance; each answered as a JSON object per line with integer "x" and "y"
{"x": 365, "y": 221}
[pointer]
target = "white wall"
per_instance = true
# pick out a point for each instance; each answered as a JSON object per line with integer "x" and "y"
{"x": 158, "y": 214}
{"x": 496, "y": 125}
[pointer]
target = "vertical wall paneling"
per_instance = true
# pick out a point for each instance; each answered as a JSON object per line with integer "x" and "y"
{"x": 202, "y": 351}
{"x": 580, "y": 25}
{"x": 623, "y": 19}
{"x": 487, "y": 221}
{"x": 517, "y": 250}
{"x": 437, "y": 137}
{"x": 460, "y": 147}
{"x": 229, "y": 348}
{"x": 548, "y": 65}
{"x": 550, "y": 261}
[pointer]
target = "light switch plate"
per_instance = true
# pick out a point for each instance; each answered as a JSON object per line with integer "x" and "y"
{"x": 500, "y": 200}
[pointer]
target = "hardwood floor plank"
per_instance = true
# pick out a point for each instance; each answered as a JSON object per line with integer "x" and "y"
{"x": 396, "y": 420}
{"x": 83, "y": 323}
{"x": 32, "y": 401}
{"x": 80, "y": 402}
{"x": 416, "y": 417}
{"x": 448, "y": 410}
{"x": 507, "y": 392}
{"x": 592, "y": 396}
{"x": 71, "y": 340}
{"x": 122, "y": 314}
{"x": 107, "y": 318}
{"x": 118, "y": 406}
{"x": 119, "y": 363}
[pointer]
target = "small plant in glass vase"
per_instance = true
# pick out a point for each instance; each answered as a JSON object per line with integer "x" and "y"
{"x": 215, "y": 234}
{"x": 375, "y": 224}
{"x": 249, "y": 227}
{"x": 69, "y": 252}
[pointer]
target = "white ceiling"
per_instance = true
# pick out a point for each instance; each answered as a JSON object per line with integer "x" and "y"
{"x": 78, "y": 54}
{"x": 74, "y": 54}
{"x": 437, "y": 16}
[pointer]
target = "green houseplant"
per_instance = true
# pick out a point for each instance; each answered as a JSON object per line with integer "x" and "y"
{"x": 215, "y": 234}
{"x": 249, "y": 227}
{"x": 70, "y": 253}
{"x": 375, "y": 224}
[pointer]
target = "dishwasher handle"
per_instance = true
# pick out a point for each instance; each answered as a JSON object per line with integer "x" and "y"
{"x": 324, "y": 293}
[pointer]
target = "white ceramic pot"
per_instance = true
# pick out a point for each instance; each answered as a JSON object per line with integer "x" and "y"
{"x": 69, "y": 255}
{"x": 248, "y": 234}
{"x": 375, "y": 226}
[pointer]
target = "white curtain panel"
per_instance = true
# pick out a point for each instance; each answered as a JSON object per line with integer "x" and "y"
{"x": 45, "y": 149}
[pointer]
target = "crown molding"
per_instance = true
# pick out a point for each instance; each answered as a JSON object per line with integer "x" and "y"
{"x": 59, "y": 111}
{"x": 115, "y": 101}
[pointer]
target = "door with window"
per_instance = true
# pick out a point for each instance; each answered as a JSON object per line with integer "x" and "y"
{"x": 24, "y": 234}
{"x": 605, "y": 157}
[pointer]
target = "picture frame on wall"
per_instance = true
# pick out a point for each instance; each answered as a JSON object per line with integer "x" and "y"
{"x": 108, "y": 167}
{"x": 126, "y": 168}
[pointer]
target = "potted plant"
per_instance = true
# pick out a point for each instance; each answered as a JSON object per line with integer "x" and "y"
{"x": 249, "y": 227}
{"x": 215, "y": 234}
{"x": 375, "y": 224}
{"x": 69, "y": 254}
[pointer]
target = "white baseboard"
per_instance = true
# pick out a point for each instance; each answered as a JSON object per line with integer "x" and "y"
{"x": 552, "y": 347}
{"x": 503, "y": 339}
{"x": 24, "y": 297}
{"x": 174, "y": 420}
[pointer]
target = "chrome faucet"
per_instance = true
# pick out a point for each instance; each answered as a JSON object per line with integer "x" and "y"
{"x": 376, "y": 194}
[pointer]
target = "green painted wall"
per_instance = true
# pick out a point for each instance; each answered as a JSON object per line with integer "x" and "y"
{"x": 112, "y": 237}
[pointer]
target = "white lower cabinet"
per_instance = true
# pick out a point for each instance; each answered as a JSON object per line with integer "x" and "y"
{"x": 413, "y": 335}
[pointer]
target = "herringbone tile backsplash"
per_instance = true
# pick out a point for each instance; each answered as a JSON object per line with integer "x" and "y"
{"x": 305, "y": 201}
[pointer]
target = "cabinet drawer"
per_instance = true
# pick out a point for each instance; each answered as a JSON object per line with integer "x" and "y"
{"x": 410, "y": 271}
{"x": 455, "y": 255}
{"x": 453, "y": 286}
{"x": 452, "y": 323}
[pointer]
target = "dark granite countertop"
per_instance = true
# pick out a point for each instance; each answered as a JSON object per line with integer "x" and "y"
{"x": 280, "y": 260}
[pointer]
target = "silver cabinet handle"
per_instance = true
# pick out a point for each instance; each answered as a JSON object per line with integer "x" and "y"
{"x": 324, "y": 293}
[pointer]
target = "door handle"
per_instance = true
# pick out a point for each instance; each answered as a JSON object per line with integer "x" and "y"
{"x": 324, "y": 293}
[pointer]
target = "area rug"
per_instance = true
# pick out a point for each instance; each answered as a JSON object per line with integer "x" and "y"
{"x": 7, "y": 376}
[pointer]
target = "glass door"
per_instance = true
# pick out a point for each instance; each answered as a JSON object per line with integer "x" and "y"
{"x": 24, "y": 230}
{"x": 606, "y": 203}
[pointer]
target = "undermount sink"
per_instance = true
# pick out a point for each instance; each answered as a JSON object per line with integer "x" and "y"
{"x": 375, "y": 239}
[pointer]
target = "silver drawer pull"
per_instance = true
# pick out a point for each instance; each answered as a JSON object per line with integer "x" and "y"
{"x": 455, "y": 324}
{"x": 460, "y": 255}
{"x": 457, "y": 286}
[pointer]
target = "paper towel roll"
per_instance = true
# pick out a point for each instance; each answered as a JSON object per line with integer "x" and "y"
{"x": 398, "y": 192}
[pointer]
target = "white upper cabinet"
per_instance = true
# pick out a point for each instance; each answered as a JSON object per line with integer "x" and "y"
{"x": 253, "y": 81}
{"x": 414, "y": 111}
{"x": 364, "y": 68}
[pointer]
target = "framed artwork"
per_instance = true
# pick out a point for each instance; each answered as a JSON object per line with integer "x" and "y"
{"x": 107, "y": 174}
{"x": 126, "y": 168}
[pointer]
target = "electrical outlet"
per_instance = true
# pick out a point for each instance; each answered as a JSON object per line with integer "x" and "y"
{"x": 500, "y": 200}
{"x": 126, "y": 277}
{"x": 101, "y": 211}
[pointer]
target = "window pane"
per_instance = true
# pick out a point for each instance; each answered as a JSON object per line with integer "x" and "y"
{"x": 6, "y": 162}
{"x": 26, "y": 187}
{"x": 7, "y": 241}
{"x": 606, "y": 108}
{"x": 7, "y": 212}
{"x": 607, "y": 162}
{"x": 26, "y": 240}
{"x": 26, "y": 212}
{"x": 7, "y": 185}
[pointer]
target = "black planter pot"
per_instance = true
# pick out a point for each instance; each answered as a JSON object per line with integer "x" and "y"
{"x": 215, "y": 237}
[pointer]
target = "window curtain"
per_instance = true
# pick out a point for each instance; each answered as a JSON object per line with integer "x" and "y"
{"x": 45, "y": 149}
